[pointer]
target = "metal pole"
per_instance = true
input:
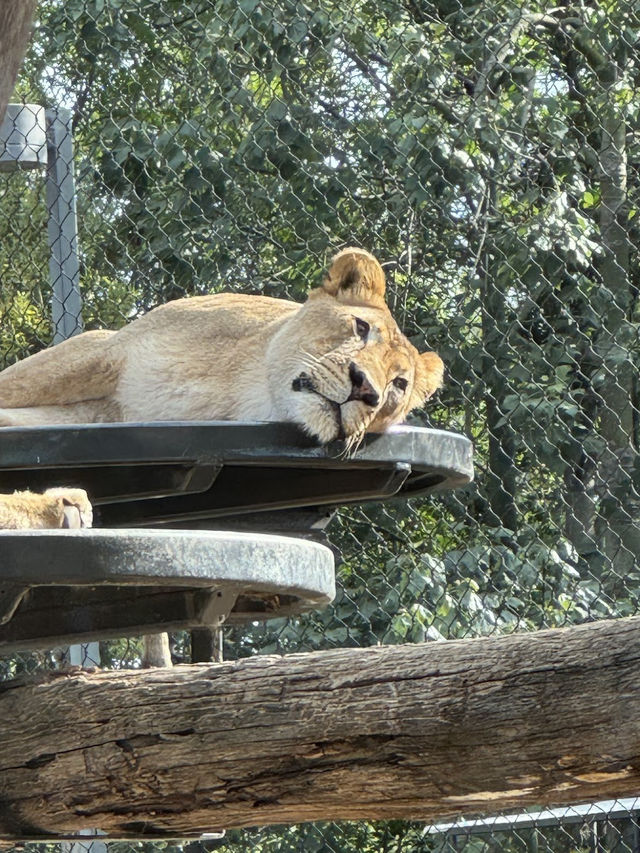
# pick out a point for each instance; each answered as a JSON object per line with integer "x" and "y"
{"x": 66, "y": 309}
{"x": 64, "y": 265}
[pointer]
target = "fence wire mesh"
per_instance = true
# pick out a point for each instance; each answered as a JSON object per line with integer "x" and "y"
{"x": 489, "y": 155}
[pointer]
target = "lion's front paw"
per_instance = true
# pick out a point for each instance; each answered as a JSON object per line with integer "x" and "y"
{"x": 76, "y": 507}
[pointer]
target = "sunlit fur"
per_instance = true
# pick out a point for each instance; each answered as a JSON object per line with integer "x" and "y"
{"x": 55, "y": 508}
{"x": 238, "y": 357}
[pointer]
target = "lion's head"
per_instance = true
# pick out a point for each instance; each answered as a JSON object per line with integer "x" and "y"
{"x": 343, "y": 366}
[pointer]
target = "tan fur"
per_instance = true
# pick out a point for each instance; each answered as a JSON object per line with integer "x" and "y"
{"x": 56, "y": 508}
{"x": 237, "y": 357}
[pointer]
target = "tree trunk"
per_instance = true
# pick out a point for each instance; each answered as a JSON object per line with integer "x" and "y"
{"x": 15, "y": 29}
{"x": 618, "y": 529}
{"x": 421, "y": 732}
{"x": 500, "y": 480}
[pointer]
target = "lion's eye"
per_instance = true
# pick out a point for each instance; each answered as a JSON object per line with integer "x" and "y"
{"x": 362, "y": 328}
{"x": 401, "y": 383}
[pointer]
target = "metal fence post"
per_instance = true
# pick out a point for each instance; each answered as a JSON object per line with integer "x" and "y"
{"x": 64, "y": 265}
{"x": 66, "y": 308}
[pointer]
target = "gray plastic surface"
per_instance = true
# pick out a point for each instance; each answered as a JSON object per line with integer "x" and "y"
{"x": 68, "y": 585}
{"x": 168, "y": 473}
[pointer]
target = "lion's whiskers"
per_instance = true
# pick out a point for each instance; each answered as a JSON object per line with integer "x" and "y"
{"x": 351, "y": 445}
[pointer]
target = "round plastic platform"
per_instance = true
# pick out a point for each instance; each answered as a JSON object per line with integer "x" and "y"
{"x": 214, "y": 473}
{"x": 65, "y": 586}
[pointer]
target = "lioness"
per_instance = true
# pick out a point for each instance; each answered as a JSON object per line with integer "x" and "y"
{"x": 337, "y": 365}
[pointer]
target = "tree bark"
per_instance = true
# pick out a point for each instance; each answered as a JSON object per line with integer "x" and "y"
{"x": 15, "y": 29}
{"x": 421, "y": 732}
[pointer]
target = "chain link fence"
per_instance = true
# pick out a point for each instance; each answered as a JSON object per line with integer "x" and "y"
{"x": 489, "y": 155}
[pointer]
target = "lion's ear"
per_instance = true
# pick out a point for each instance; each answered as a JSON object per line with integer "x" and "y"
{"x": 429, "y": 376}
{"x": 356, "y": 277}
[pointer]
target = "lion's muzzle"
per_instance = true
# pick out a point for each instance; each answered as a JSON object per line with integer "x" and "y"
{"x": 361, "y": 387}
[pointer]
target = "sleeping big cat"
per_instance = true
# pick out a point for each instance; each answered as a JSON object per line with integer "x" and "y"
{"x": 337, "y": 364}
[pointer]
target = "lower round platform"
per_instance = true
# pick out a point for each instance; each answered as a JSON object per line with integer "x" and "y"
{"x": 67, "y": 586}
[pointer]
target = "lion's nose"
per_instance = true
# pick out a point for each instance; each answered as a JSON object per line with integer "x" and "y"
{"x": 361, "y": 388}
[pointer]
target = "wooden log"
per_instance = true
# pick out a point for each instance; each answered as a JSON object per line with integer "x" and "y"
{"x": 15, "y": 29}
{"x": 422, "y": 731}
